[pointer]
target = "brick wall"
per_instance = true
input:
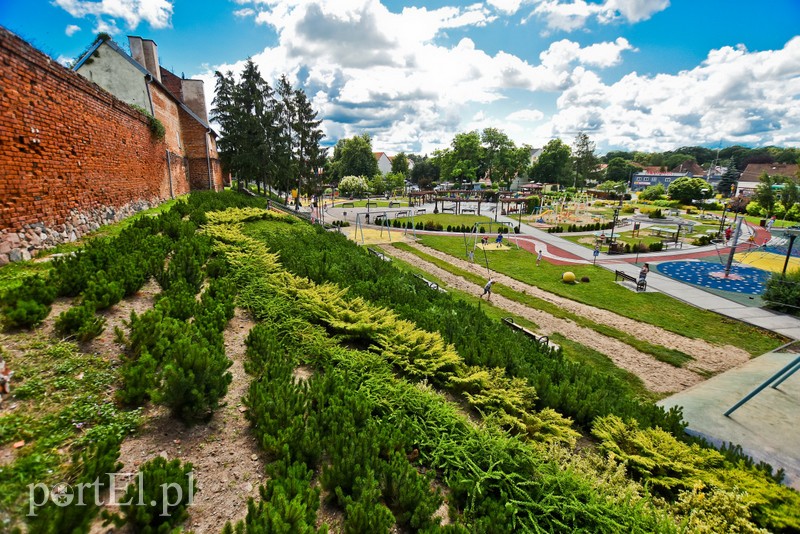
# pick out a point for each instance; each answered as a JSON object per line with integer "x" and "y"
{"x": 72, "y": 157}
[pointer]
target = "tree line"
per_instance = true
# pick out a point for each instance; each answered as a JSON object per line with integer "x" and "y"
{"x": 270, "y": 136}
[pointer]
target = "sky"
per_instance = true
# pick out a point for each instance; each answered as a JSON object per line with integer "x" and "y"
{"x": 648, "y": 75}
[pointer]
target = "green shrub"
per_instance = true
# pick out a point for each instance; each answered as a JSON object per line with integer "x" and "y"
{"x": 81, "y": 322}
{"x": 655, "y": 247}
{"x": 28, "y": 304}
{"x": 103, "y": 291}
{"x": 783, "y": 292}
{"x": 139, "y": 379}
{"x": 161, "y": 496}
{"x": 25, "y": 313}
{"x": 195, "y": 379}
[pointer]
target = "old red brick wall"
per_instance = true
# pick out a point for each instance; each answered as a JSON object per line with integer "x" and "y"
{"x": 72, "y": 157}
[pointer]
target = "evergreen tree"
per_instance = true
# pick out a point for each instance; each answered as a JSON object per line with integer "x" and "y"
{"x": 585, "y": 160}
{"x": 727, "y": 184}
{"x": 308, "y": 134}
{"x": 286, "y": 138}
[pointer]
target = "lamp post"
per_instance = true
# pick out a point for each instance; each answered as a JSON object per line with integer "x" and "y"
{"x": 722, "y": 221}
{"x": 613, "y": 226}
{"x": 793, "y": 232}
{"x": 367, "y": 206}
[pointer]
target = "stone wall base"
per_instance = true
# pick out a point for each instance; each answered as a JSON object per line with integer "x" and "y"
{"x": 32, "y": 238}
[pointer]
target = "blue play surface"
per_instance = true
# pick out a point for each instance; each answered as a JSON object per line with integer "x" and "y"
{"x": 741, "y": 279}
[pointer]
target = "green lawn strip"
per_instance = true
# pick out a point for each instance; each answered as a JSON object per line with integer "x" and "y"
{"x": 666, "y": 355}
{"x": 488, "y": 308}
{"x": 652, "y": 308}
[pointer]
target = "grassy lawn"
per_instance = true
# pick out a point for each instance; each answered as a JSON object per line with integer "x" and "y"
{"x": 602, "y": 292}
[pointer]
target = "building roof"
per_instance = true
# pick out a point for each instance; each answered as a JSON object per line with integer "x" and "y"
{"x": 753, "y": 171}
{"x": 691, "y": 166}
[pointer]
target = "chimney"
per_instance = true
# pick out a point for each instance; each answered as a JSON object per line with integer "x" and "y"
{"x": 145, "y": 52}
{"x": 194, "y": 97}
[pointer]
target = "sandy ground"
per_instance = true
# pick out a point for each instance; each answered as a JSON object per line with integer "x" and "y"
{"x": 657, "y": 376}
{"x": 228, "y": 464}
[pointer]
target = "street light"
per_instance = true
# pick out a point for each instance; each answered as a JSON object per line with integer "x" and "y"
{"x": 613, "y": 225}
{"x": 792, "y": 232}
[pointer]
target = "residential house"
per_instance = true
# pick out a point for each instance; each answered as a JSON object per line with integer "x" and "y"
{"x": 751, "y": 176}
{"x": 384, "y": 162}
{"x": 644, "y": 179}
{"x": 178, "y": 103}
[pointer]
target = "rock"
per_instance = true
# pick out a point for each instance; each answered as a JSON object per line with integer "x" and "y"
{"x": 5, "y": 247}
{"x": 164, "y": 455}
{"x": 4, "y": 259}
{"x": 26, "y": 255}
{"x": 254, "y": 457}
{"x": 15, "y": 255}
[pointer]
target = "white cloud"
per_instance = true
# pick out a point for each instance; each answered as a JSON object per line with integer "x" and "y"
{"x": 71, "y": 30}
{"x": 569, "y": 15}
{"x": 245, "y": 12}
{"x": 525, "y": 115}
{"x": 508, "y": 7}
{"x": 157, "y": 13}
{"x": 734, "y": 95}
{"x": 391, "y": 75}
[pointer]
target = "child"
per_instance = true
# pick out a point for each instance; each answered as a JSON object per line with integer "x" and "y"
{"x": 538, "y": 257}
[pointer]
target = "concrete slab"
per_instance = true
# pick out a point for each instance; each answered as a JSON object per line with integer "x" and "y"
{"x": 766, "y": 427}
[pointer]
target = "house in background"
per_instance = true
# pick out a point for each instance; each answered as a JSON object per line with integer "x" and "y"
{"x": 750, "y": 178}
{"x": 178, "y": 103}
{"x": 644, "y": 179}
{"x": 384, "y": 162}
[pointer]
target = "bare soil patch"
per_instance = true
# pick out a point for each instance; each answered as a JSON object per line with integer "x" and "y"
{"x": 228, "y": 464}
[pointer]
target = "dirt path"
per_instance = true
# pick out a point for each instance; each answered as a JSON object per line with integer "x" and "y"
{"x": 657, "y": 376}
{"x": 228, "y": 464}
{"x": 707, "y": 356}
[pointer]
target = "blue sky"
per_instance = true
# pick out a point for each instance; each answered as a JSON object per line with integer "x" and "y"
{"x": 633, "y": 74}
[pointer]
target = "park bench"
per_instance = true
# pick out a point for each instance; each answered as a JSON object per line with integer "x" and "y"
{"x": 393, "y": 203}
{"x": 543, "y": 341}
{"x": 468, "y": 210}
{"x": 421, "y": 211}
{"x": 432, "y": 285}
{"x": 381, "y": 255}
{"x": 347, "y": 205}
{"x": 641, "y": 285}
{"x": 672, "y": 244}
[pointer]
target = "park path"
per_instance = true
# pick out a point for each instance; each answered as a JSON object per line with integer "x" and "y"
{"x": 657, "y": 376}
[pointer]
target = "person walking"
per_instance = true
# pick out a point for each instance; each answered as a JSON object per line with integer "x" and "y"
{"x": 538, "y": 257}
{"x": 487, "y": 289}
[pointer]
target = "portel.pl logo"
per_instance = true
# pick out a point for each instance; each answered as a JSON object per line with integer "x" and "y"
{"x": 100, "y": 494}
